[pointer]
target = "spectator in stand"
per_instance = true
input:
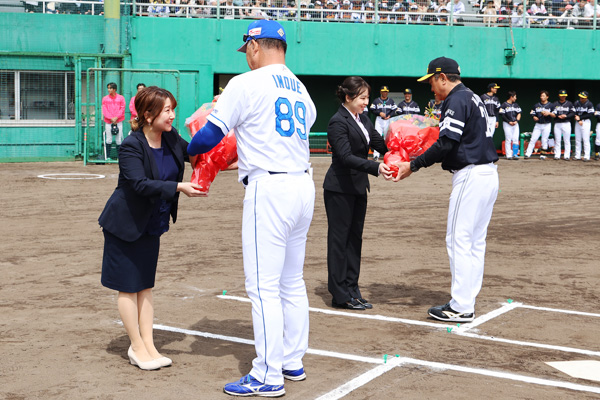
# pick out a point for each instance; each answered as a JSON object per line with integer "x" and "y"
{"x": 345, "y": 11}
{"x": 158, "y": 9}
{"x": 304, "y": 13}
{"x": 396, "y": 16}
{"x": 318, "y": 14}
{"x": 443, "y": 18}
{"x": 113, "y": 112}
{"x": 331, "y": 13}
{"x": 430, "y": 18}
{"x": 518, "y": 16}
{"x": 139, "y": 87}
{"x": 412, "y": 16}
{"x": 256, "y": 11}
{"x": 490, "y": 13}
{"x": 357, "y": 12}
{"x": 185, "y": 11}
{"x": 383, "y": 13}
{"x": 442, "y": 4}
{"x": 458, "y": 7}
{"x": 370, "y": 12}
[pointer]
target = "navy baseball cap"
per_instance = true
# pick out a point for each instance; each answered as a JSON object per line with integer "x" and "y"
{"x": 583, "y": 94}
{"x": 407, "y": 91}
{"x": 562, "y": 92}
{"x": 384, "y": 89}
{"x": 263, "y": 29}
{"x": 493, "y": 86}
{"x": 441, "y": 65}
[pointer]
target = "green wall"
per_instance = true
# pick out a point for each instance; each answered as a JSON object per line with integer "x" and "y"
{"x": 321, "y": 54}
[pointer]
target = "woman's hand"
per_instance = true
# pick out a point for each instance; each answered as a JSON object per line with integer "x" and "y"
{"x": 385, "y": 171}
{"x": 190, "y": 189}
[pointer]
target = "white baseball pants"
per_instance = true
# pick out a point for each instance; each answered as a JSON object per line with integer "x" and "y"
{"x": 109, "y": 136}
{"x": 511, "y": 136}
{"x": 597, "y": 142}
{"x": 491, "y": 121}
{"x": 381, "y": 126}
{"x": 538, "y": 129}
{"x": 277, "y": 213}
{"x": 562, "y": 130}
{"x": 474, "y": 192}
{"x": 582, "y": 133}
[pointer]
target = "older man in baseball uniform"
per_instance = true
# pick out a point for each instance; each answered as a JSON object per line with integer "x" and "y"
{"x": 465, "y": 148}
{"x": 271, "y": 113}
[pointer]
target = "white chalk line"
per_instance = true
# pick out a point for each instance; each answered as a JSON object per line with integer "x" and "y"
{"x": 487, "y": 317}
{"x": 71, "y": 176}
{"x": 356, "y": 314}
{"x": 360, "y": 380}
{"x": 394, "y": 362}
{"x": 587, "y": 314}
{"x": 460, "y": 331}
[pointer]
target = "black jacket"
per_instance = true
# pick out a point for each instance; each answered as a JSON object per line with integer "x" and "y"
{"x": 350, "y": 151}
{"x": 139, "y": 189}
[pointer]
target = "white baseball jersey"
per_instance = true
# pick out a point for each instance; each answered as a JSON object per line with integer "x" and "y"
{"x": 269, "y": 121}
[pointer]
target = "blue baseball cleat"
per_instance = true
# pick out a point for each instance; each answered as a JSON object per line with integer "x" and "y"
{"x": 248, "y": 386}
{"x": 294, "y": 375}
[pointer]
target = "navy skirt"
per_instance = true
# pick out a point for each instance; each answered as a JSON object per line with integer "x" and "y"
{"x": 129, "y": 266}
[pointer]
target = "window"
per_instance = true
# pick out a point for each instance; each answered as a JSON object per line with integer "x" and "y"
{"x": 39, "y": 96}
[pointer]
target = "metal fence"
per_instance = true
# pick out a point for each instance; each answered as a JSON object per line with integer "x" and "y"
{"x": 424, "y": 12}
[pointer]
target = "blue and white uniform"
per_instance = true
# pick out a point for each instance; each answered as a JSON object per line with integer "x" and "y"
{"x": 408, "y": 108}
{"x": 492, "y": 106}
{"x": 584, "y": 111}
{"x": 510, "y": 112}
{"x": 469, "y": 153}
{"x": 271, "y": 113}
{"x": 542, "y": 126}
{"x": 562, "y": 127}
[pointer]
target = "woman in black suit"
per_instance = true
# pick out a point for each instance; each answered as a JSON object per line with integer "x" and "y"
{"x": 151, "y": 166}
{"x": 350, "y": 134}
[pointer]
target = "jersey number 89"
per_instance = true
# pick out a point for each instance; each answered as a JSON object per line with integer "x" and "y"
{"x": 285, "y": 112}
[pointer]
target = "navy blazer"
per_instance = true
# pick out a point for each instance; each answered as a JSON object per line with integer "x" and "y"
{"x": 350, "y": 165}
{"x": 139, "y": 189}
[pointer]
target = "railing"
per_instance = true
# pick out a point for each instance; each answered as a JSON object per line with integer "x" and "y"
{"x": 300, "y": 12}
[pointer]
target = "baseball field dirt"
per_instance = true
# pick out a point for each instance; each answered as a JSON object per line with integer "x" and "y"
{"x": 60, "y": 336}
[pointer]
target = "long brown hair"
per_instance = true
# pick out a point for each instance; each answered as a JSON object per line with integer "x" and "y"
{"x": 152, "y": 100}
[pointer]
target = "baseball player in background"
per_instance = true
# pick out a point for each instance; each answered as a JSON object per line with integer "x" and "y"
{"x": 465, "y": 148}
{"x": 271, "y": 113}
{"x": 492, "y": 105}
{"x": 584, "y": 109}
{"x": 384, "y": 108}
{"x": 543, "y": 121}
{"x": 511, "y": 115}
{"x": 563, "y": 113}
{"x": 435, "y": 107}
{"x": 597, "y": 143}
{"x": 408, "y": 106}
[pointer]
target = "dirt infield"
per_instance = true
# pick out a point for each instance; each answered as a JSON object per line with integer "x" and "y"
{"x": 59, "y": 331}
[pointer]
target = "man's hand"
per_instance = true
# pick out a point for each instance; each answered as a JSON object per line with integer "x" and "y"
{"x": 382, "y": 115}
{"x": 496, "y": 124}
{"x": 536, "y": 119}
{"x": 562, "y": 116}
{"x": 403, "y": 171}
{"x": 113, "y": 120}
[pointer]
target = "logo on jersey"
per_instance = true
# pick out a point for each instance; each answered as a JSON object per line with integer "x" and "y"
{"x": 449, "y": 112}
{"x": 255, "y": 32}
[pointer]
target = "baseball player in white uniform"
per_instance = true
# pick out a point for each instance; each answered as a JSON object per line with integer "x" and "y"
{"x": 543, "y": 121}
{"x": 584, "y": 110}
{"x": 510, "y": 112}
{"x": 563, "y": 113}
{"x": 465, "y": 148}
{"x": 271, "y": 113}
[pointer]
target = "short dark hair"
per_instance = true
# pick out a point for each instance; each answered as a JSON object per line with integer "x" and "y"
{"x": 269, "y": 43}
{"x": 511, "y": 94}
{"x": 451, "y": 77}
{"x": 352, "y": 87}
{"x": 546, "y": 92}
{"x": 112, "y": 85}
{"x": 140, "y": 84}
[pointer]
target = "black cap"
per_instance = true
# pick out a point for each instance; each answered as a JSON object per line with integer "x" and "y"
{"x": 493, "y": 86}
{"x": 407, "y": 91}
{"x": 384, "y": 89}
{"x": 562, "y": 92}
{"x": 583, "y": 95}
{"x": 441, "y": 65}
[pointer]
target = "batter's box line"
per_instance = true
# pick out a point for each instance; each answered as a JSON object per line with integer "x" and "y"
{"x": 385, "y": 366}
{"x": 452, "y": 329}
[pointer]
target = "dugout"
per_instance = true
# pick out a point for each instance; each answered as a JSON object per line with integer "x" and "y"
{"x": 43, "y": 55}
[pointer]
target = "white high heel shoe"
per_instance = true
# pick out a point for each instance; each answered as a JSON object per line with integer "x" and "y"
{"x": 164, "y": 361}
{"x": 145, "y": 365}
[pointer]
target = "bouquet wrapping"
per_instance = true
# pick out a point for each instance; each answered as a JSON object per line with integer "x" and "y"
{"x": 408, "y": 137}
{"x": 219, "y": 158}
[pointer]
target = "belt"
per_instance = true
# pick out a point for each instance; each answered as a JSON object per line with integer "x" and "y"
{"x": 245, "y": 181}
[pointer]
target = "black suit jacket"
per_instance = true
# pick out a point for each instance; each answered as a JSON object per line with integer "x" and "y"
{"x": 349, "y": 161}
{"x": 139, "y": 189}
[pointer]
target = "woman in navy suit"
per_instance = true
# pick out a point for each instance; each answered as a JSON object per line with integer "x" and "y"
{"x": 151, "y": 166}
{"x": 350, "y": 134}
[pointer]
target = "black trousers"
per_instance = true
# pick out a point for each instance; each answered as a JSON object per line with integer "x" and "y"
{"x": 346, "y": 220}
